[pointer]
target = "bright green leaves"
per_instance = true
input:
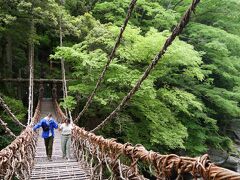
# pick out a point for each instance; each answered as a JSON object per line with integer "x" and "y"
{"x": 6, "y": 19}
{"x": 146, "y": 14}
{"x": 200, "y": 35}
{"x": 151, "y": 14}
{"x": 68, "y": 103}
{"x": 181, "y": 101}
{"x": 145, "y": 109}
{"x": 180, "y": 58}
{"x": 113, "y": 11}
{"x": 223, "y": 101}
{"x": 221, "y": 57}
{"x": 225, "y": 14}
{"x": 162, "y": 124}
{"x": 192, "y": 113}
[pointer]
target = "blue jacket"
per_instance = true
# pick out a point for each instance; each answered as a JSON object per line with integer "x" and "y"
{"x": 44, "y": 122}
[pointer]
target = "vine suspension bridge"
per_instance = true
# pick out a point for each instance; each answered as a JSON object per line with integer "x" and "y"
{"x": 95, "y": 157}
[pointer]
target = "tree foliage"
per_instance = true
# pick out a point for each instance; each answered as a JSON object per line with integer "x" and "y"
{"x": 188, "y": 104}
{"x": 19, "y": 111}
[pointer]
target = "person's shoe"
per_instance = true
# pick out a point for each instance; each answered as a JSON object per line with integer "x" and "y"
{"x": 49, "y": 159}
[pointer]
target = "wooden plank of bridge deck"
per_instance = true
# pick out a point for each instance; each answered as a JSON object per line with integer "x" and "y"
{"x": 59, "y": 168}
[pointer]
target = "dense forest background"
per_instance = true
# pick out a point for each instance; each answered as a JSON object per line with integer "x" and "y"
{"x": 189, "y": 103}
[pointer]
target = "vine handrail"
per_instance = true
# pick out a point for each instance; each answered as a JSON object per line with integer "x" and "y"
{"x": 98, "y": 152}
{"x": 17, "y": 158}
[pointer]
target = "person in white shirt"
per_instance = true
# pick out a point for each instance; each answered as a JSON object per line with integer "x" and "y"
{"x": 66, "y": 130}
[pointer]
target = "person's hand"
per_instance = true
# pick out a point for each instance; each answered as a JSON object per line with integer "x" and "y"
{"x": 31, "y": 124}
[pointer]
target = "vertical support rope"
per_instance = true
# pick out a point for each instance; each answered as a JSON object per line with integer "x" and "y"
{"x": 64, "y": 83}
{"x": 29, "y": 91}
{"x": 31, "y": 56}
{"x": 32, "y": 61}
{"x": 177, "y": 30}
{"x": 62, "y": 60}
{"x": 110, "y": 58}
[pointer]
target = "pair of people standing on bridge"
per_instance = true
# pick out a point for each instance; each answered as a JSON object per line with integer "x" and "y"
{"x": 48, "y": 125}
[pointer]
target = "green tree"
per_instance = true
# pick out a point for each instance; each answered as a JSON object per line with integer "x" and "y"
{"x": 147, "y": 14}
{"x": 156, "y": 105}
{"x": 20, "y": 111}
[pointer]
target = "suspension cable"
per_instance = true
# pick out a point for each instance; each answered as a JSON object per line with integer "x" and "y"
{"x": 110, "y": 58}
{"x": 177, "y": 30}
{"x": 4, "y": 105}
{"x": 7, "y": 130}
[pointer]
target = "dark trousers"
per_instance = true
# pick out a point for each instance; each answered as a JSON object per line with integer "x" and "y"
{"x": 49, "y": 145}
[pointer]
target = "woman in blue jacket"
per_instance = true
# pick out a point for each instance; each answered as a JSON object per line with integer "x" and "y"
{"x": 48, "y": 125}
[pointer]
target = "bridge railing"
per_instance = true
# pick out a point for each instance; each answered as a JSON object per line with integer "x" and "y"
{"x": 16, "y": 159}
{"x": 100, "y": 152}
{"x": 122, "y": 161}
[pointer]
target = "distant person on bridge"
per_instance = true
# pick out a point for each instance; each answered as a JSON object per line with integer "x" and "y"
{"x": 66, "y": 130}
{"x": 48, "y": 125}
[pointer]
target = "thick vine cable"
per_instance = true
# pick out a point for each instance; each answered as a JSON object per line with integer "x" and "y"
{"x": 110, "y": 58}
{"x": 177, "y": 30}
{"x": 7, "y": 109}
{"x": 7, "y": 130}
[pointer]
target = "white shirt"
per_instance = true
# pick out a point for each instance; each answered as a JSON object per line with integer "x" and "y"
{"x": 66, "y": 129}
{"x": 48, "y": 123}
{"x": 50, "y": 133}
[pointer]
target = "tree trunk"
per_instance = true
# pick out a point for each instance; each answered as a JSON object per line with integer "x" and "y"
{"x": 9, "y": 56}
{"x": 2, "y": 53}
{"x": 19, "y": 89}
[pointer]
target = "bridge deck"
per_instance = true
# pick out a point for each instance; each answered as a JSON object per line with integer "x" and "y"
{"x": 59, "y": 168}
